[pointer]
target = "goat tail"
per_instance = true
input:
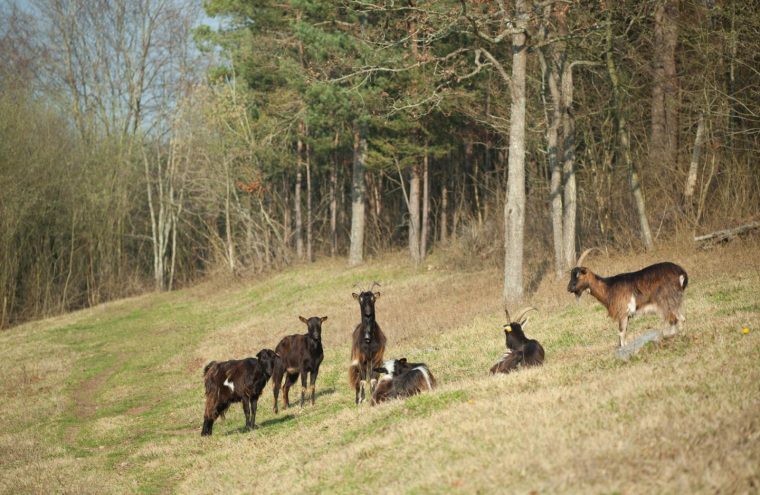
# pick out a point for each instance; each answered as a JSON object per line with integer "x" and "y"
{"x": 685, "y": 280}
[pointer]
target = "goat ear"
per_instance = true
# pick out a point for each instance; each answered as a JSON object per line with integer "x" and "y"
{"x": 356, "y": 296}
{"x": 376, "y": 294}
{"x": 324, "y": 318}
{"x": 402, "y": 360}
{"x": 303, "y": 319}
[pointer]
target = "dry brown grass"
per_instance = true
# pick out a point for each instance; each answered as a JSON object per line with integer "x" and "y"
{"x": 680, "y": 417}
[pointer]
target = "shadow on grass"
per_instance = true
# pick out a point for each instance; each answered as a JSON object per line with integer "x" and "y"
{"x": 262, "y": 424}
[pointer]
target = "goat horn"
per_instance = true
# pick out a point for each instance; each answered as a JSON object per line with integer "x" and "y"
{"x": 523, "y": 312}
{"x": 374, "y": 283}
{"x": 584, "y": 254}
{"x": 509, "y": 320}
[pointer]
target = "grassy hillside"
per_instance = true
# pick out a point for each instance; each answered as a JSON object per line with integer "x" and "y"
{"x": 110, "y": 400}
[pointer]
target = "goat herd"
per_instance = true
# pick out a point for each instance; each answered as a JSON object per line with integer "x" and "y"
{"x": 656, "y": 288}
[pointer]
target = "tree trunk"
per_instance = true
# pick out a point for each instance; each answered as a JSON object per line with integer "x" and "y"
{"x": 514, "y": 209}
{"x": 691, "y": 178}
{"x": 414, "y": 214}
{"x": 356, "y": 248}
{"x": 552, "y": 58}
{"x": 297, "y": 203}
{"x": 425, "y": 204}
{"x": 444, "y": 210}
{"x": 624, "y": 145}
{"x": 664, "y": 132}
{"x": 334, "y": 199}
{"x": 309, "y": 257}
{"x": 568, "y": 167}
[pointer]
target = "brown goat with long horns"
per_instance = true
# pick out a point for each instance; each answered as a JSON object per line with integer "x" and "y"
{"x": 657, "y": 288}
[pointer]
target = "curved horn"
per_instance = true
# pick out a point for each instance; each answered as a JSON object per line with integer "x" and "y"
{"x": 374, "y": 283}
{"x": 523, "y": 312}
{"x": 509, "y": 320}
{"x": 584, "y": 254}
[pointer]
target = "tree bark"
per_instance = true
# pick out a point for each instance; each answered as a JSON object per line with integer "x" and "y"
{"x": 691, "y": 178}
{"x": 334, "y": 199}
{"x": 568, "y": 166}
{"x": 444, "y": 213}
{"x": 552, "y": 59}
{"x": 414, "y": 213}
{"x": 425, "y": 204}
{"x": 297, "y": 202}
{"x": 514, "y": 209}
{"x": 356, "y": 248}
{"x": 624, "y": 145}
{"x": 663, "y": 146}
{"x": 309, "y": 257}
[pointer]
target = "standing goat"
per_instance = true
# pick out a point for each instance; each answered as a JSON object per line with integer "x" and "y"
{"x": 521, "y": 351}
{"x": 402, "y": 379}
{"x": 656, "y": 288}
{"x": 367, "y": 345}
{"x": 236, "y": 381}
{"x": 299, "y": 355}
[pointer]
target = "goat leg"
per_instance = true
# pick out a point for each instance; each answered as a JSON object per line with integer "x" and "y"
{"x": 247, "y": 411}
{"x": 303, "y": 386}
{"x": 254, "y": 405}
{"x": 623, "y": 327}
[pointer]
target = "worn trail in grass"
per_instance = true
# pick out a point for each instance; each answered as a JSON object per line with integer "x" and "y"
{"x": 110, "y": 400}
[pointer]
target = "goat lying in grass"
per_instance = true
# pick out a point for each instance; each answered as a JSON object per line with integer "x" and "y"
{"x": 299, "y": 354}
{"x": 521, "y": 351}
{"x": 236, "y": 381}
{"x": 402, "y": 379}
{"x": 657, "y": 288}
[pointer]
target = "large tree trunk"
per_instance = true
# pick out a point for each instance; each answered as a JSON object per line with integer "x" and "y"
{"x": 663, "y": 145}
{"x": 414, "y": 213}
{"x": 552, "y": 59}
{"x": 309, "y": 257}
{"x": 444, "y": 213}
{"x": 425, "y": 205}
{"x": 334, "y": 199}
{"x": 355, "y": 255}
{"x": 297, "y": 203}
{"x": 568, "y": 167}
{"x": 624, "y": 143}
{"x": 514, "y": 209}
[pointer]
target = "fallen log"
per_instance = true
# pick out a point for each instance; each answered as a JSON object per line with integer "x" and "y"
{"x": 722, "y": 235}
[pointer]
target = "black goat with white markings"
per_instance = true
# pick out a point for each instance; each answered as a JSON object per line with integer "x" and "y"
{"x": 240, "y": 380}
{"x": 402, "y": 379}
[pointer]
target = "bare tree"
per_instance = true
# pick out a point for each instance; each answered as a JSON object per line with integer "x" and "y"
{"x": 358, "y": 188}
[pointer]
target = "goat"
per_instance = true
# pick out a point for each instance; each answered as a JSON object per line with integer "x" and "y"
{"x": 656, "y": 288}
{"x": 299, "y": 355}
{"x": 367, "y": 345}
{"x": 402, "y": 379}
{"x": 236, "y": 381}
{"x": 521, "y": 351}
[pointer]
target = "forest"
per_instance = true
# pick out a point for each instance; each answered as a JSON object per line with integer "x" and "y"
{"x": 148, "y": 144}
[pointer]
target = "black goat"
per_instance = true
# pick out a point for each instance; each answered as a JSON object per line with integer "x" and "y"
{"x": 521, "y": 351}
{"x": 367, "y": 345}
{"x": 402, "y": 379}
{"x": 299, "y": 355}
{"x": 236, "y": 381}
